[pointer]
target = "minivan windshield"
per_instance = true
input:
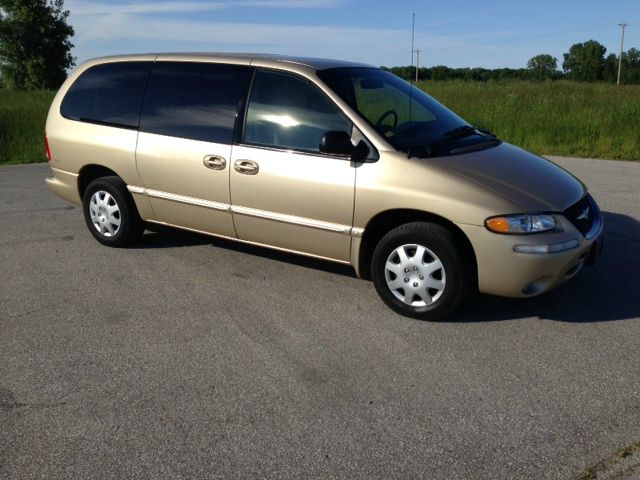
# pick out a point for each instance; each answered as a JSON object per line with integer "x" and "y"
{"x": 406, "y": 116}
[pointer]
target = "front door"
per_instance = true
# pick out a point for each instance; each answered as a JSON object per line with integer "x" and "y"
{"x": 284, "y": 191}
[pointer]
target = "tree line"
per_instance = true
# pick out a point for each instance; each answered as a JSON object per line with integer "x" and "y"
{"x": 584, "y": 62}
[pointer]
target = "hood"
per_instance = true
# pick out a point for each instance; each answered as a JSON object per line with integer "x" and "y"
{"x": 534, "y": 183}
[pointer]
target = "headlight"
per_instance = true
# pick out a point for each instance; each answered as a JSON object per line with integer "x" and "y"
{"x": 520, "y": 224}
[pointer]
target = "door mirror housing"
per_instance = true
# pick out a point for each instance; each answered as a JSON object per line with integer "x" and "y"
{"x": 339, "y": 143}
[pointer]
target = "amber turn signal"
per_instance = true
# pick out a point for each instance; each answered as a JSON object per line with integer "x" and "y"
{"x": 498, "y": 224}
{"x": 523, "y": 223}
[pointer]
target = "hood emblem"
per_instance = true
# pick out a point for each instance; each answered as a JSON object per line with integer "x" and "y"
{"x": 584, "y": 215}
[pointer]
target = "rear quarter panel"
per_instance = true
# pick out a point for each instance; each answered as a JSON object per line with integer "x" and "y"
{"x": 75, "y": 144}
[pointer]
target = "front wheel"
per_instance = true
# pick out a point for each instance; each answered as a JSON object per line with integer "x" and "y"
{"x": 420, "y": 270}
{"x": 110, "y": 213}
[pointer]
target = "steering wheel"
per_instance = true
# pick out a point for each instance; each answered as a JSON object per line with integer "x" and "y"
{"x": 387, "y": 128}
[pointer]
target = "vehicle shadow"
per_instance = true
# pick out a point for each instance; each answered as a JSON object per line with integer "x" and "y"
{"x": 608, "y": 291}
{"x": 166, "y": 237}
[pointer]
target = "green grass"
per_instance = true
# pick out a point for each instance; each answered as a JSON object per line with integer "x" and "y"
{"x": 22, "y": 118}
{"x": 551, "y": 118}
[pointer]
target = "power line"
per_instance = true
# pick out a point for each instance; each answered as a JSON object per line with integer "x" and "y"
{"x": 413, "y": 33}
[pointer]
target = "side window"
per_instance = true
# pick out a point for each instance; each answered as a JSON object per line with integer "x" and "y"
{"x": 198, "y": 101}
{"x": 110, "y": 93}
{"x": 287, "y": 112}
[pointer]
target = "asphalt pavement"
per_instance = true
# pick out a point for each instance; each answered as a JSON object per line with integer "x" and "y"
{"x": 193, "y": 357}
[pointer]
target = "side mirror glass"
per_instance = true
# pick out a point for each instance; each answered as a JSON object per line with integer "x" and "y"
{"x": 339, "y": 143}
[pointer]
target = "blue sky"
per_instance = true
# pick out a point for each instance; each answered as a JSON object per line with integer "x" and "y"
{"x": 456, "y": 33}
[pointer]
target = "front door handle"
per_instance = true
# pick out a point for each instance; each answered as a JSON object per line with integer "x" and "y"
{"x": 214, "y": 162}
{"x": 247, "y": 167}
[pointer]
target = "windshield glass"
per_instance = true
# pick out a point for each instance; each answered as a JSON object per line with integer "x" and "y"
{"x": 406, "y": 116}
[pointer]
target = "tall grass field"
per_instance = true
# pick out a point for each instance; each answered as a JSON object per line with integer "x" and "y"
{"x": 593, "y": 120}
{"x": 22, "y": 118}
{"x": 552, "y": 118}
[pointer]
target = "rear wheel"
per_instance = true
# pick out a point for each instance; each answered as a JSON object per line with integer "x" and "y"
{"x": 420, "y": 271}
{"x": 110, "y": 212}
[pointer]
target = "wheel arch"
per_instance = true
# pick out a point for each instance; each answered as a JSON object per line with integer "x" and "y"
{"x": 384, "y": 222}
{"x": 89, "y": 173}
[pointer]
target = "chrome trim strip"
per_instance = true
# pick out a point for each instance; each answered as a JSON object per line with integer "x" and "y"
{"x": 54, "y": 169}
{"x": 179, "y": 198}
{"x": 296, "y": 152}
{"x": 357, "y": 232}
{"x": 284, "y": 218}
{"x": 251, "y": 212}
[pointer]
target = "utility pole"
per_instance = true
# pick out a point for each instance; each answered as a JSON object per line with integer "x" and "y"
{"x": 413, "y": 35}
{"x": 416, "y": 51}
{"x": 623, "y": 25}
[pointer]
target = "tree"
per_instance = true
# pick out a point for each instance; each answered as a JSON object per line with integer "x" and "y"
{"x": 631, "y": 66}
{"x": 440, "y": 72}
{"x": 610, "y": 70}
{"x": 542, "y": 66}
{"x": 633, "y": 57}
{"x": 585, "y": 61}
{"x": 35, "y": 50}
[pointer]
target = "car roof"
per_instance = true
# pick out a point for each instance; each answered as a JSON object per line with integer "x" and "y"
{"x": 311, "y": 62}
{"x": 244, "y": 58}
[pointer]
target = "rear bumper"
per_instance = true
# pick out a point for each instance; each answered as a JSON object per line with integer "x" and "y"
{"x": 504, "y": 272}
{"x": 65, "y": 185}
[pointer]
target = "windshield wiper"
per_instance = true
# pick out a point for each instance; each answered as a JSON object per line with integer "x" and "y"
{"x": 415, "y": 151}
{"x": 465, "y": 131}
{"x": 451, "y": 136}
{"x": 486, "y": 132}
{"x": 459, "y": 132}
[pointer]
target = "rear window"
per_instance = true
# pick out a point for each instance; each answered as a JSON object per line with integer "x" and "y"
{"x": 109, "y": 94}
{"x": 198, "y": 101}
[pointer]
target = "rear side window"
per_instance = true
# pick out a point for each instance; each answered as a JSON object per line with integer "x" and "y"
{"x": 109, "y": 94}
{"x": 198, "y": 101}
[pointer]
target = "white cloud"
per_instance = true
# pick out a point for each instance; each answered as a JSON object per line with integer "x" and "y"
{"x": 89, "y": 8}
{"x": 106, "y": 29}
{"x": 83, "y": 9}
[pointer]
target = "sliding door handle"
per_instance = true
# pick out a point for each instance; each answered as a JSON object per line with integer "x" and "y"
{"x": 214, "y": 162}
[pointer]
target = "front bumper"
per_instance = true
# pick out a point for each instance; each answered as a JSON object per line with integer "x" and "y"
{"x": 504, "y": 272}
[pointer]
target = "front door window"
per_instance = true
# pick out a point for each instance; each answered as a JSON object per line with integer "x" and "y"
{"x": 287, "y": 112}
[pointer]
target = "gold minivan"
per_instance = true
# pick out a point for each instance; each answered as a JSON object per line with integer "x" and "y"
{"x": 335, "y": 160}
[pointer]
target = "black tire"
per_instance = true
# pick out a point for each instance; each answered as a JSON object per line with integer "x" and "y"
{"x": 439, "y": 242}
{"x": 130, "y": 226}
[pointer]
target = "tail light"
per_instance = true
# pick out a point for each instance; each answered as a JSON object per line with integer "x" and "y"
{"x": 46, "y": 147}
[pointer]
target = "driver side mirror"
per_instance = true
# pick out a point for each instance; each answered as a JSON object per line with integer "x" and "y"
{"x": 339, "y": 143}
